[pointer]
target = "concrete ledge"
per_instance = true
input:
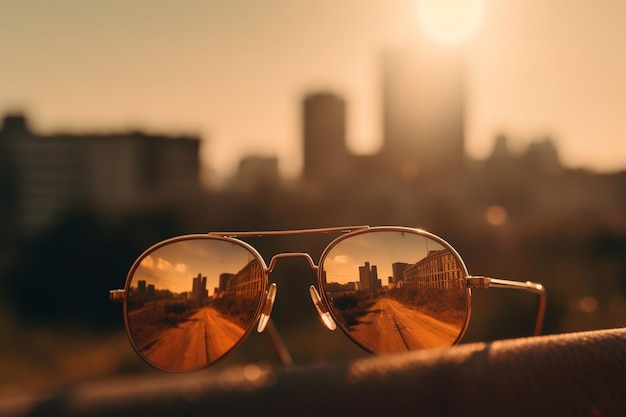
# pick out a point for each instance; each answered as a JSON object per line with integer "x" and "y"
{"x": 571, "y": 374}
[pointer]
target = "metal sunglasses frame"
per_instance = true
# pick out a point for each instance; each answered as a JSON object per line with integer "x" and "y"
{"x": 320, "y": 300}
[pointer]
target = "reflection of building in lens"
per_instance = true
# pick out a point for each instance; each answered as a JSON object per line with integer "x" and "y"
{"x": 439, "y": 269}
{"x": 368, "y": 279}
{"x": 141, "y": 287}
{"x": 144, "y": 292}
{"x": 397, "y": 271}
{"x": 246, "y": 283}
{"x": 139, "y": 294}
{"x": 198, "y": 290}
{"x": 224, "y": 277}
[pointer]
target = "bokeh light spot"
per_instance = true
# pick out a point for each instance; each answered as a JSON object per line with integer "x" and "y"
{"x": 496, "y": 215}
{"x": 586, "y": 304}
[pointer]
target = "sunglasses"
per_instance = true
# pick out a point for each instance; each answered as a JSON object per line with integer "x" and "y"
{"x": 191, "y": 300}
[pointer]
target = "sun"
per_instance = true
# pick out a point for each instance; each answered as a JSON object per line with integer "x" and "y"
{"x": 450, "y": 21}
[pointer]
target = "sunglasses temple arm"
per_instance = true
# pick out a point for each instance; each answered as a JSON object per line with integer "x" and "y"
{"x": 277, "y": 343}
{"x": 538, "y": 289}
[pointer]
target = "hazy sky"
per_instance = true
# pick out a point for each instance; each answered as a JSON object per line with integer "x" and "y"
{"x": 235, "y": 71}
{"x": 174, "y": 266}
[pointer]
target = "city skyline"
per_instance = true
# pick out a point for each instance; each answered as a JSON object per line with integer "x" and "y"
{"x": 174, "y": 266}
{"x": 533, "y": 70}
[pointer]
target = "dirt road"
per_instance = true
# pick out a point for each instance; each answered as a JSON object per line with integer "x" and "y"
{"x": 205, "y": 336}
{"x": 389, "y": 326}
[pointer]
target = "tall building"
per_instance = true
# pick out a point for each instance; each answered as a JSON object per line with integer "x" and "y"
{"x": 255, "y": 171}
{"x": 198, "y": 290}
{"x": 246, "y": 283}
{"x": 397, "y": 270}
{"x": 223, "y": 281}
{"x": 324, "y": 122}
{"x": 423, "y": 110}
{"x": 439, "y": 269}
{"x": 57, "y": 173}
{"x": 368, "y": 279}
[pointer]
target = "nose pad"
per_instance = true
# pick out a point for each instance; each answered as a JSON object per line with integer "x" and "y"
{"x": 268, "y": 304}
{"x": 327, "y": 319}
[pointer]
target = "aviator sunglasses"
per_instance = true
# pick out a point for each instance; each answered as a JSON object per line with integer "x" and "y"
{"x": 191, "y": 300}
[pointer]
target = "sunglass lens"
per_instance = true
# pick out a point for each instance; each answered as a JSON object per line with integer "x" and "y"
{"x": 394, "y": 291}
{"x": 191, "y": 301}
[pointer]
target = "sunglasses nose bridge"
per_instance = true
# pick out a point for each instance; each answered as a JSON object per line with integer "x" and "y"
{"x": 278, "y": 256}
{"x": 321, "y": 308}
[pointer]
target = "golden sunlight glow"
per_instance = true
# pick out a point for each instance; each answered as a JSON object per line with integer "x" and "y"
{"x": 450, "y": 21}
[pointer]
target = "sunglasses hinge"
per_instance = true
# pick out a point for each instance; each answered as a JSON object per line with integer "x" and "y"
{"x": 117, "y": 295}
{"x": 478, "y": 282}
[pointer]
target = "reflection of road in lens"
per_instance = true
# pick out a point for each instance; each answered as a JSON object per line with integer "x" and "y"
{"x": 198, "y": 341}
{"x": 389, "y": 326}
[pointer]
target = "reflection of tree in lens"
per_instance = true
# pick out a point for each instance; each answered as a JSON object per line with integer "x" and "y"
{"x": 189, "y": 329}
{"x": 424, "y": 303}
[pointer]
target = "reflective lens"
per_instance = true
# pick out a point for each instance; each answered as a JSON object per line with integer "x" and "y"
{"x": 192, "y": 300}
{"x": 394, "y": 291}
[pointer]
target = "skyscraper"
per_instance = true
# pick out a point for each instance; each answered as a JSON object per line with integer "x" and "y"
{"x": 368, "y": 279}
{"x": 423, "y": 94}
{"x": 325, "y": 154}
{"x": 397, "y": 270}
{"x": 198, "y": 290}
